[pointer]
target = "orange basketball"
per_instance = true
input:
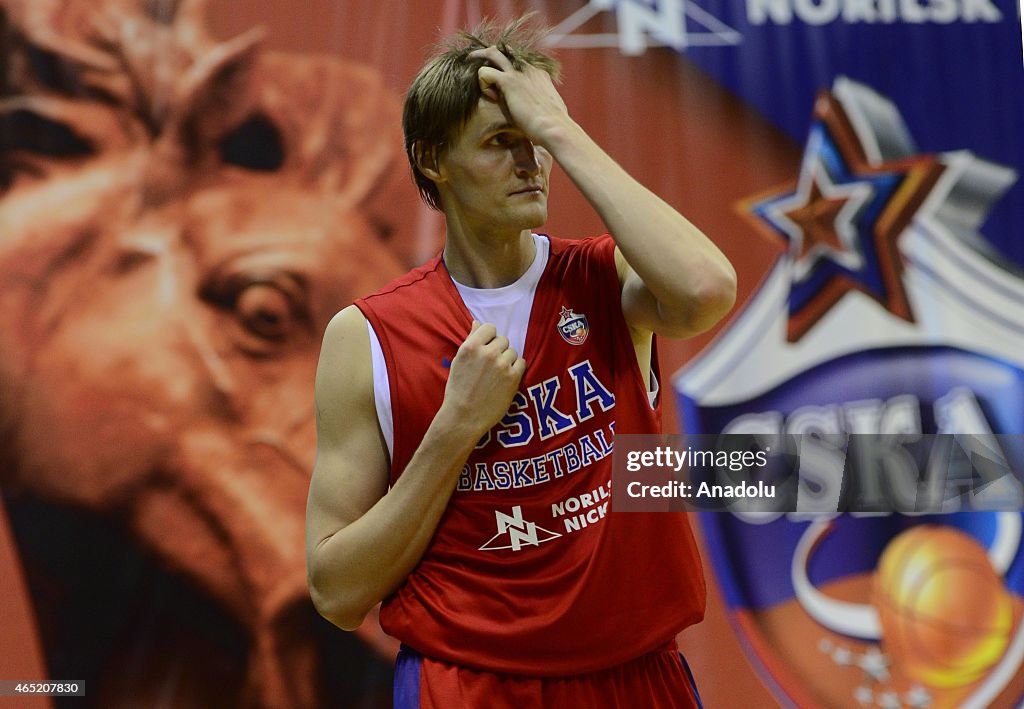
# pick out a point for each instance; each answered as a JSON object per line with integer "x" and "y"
{"x": 945, "y": 613}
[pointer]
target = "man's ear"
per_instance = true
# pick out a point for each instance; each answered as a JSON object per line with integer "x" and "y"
{"x": 426, "y": 157}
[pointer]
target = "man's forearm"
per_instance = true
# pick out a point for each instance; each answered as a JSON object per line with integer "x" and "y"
{"x": 358, "y": 566}
{"x": 681, "y": 267}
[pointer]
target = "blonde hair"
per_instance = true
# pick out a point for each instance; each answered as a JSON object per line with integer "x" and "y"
{"x": 446, "y": 90}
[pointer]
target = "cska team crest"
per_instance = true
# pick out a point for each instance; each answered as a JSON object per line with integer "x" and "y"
{"x": 886, "y": 313}
{"x": 572, "y": 326}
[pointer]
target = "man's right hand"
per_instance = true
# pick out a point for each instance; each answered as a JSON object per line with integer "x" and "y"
{"x": 483, "y": 378}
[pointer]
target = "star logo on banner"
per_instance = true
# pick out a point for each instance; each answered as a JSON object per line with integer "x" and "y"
{"x": 820, "y": 219}
{"x": 841, "y": 221}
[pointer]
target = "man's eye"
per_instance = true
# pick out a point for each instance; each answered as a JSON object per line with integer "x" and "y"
{"x": 502, "y": 140}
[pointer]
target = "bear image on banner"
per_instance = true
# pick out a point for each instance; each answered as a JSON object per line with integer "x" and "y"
{"x": 886, "y": 313}
{"x": 180, "y": 216}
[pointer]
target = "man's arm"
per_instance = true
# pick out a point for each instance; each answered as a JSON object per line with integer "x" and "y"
{"x": 675, "y": 281}
{"x": 363, "y": 540}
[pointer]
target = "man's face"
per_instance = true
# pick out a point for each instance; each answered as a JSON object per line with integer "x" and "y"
{"x": 493, "y": 176}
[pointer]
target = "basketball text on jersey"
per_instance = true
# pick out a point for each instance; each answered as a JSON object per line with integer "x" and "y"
{"x": 524, "y": 472}
{"x": 553, "y": 406}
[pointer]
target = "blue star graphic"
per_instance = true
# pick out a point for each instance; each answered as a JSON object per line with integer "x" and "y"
{"x": 840, "y": 222}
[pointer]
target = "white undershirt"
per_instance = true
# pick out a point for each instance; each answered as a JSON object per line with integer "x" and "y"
{"x": 508, "y": 308}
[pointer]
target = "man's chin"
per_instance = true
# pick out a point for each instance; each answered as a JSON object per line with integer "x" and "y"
{"x": 536, "y": 217}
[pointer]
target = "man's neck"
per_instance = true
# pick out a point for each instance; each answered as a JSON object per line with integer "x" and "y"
{"x": 488, "y": 260}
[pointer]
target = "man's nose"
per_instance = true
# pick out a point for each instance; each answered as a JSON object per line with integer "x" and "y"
{"x": 525, "y": 156}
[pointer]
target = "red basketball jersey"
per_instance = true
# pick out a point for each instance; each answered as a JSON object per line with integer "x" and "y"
{"x": 529, "y": 572}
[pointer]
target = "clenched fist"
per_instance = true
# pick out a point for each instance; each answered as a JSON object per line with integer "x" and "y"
{"x": 483, "y": 378}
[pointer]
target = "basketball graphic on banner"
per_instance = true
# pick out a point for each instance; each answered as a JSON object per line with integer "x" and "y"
{"x": 946, "y": 616}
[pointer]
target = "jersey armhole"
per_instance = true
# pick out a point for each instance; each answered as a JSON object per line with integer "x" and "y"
{"x": 381, "y": 392}
{"x": 652, "y": 385}
{"x": 653, "y": 389}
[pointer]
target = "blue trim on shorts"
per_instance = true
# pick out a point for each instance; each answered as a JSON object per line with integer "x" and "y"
{"x": 407, "y": 678}
{"x": 693, "y": 682}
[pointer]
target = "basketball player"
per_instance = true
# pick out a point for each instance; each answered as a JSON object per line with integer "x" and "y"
{"x": 466, "y": 412}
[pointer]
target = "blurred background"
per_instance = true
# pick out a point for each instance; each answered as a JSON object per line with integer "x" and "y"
{"x": 190, "y": 189}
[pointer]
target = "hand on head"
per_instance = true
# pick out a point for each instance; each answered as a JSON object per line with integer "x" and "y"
{"x": 527, "y": 95}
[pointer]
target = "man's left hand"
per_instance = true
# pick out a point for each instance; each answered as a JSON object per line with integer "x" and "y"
{"x": 527, "y": 96}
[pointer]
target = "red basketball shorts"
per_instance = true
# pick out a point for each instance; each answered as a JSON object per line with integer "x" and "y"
{"x": 658, "y": 680}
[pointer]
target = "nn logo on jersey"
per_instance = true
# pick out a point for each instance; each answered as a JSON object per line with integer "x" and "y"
{"x": 573, "y": 327}
{"x": 514, "y": 532}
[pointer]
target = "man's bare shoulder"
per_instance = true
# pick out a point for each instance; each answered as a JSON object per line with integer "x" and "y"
{"x": 344, "y": 377}
{"x": 345, "y": 325}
